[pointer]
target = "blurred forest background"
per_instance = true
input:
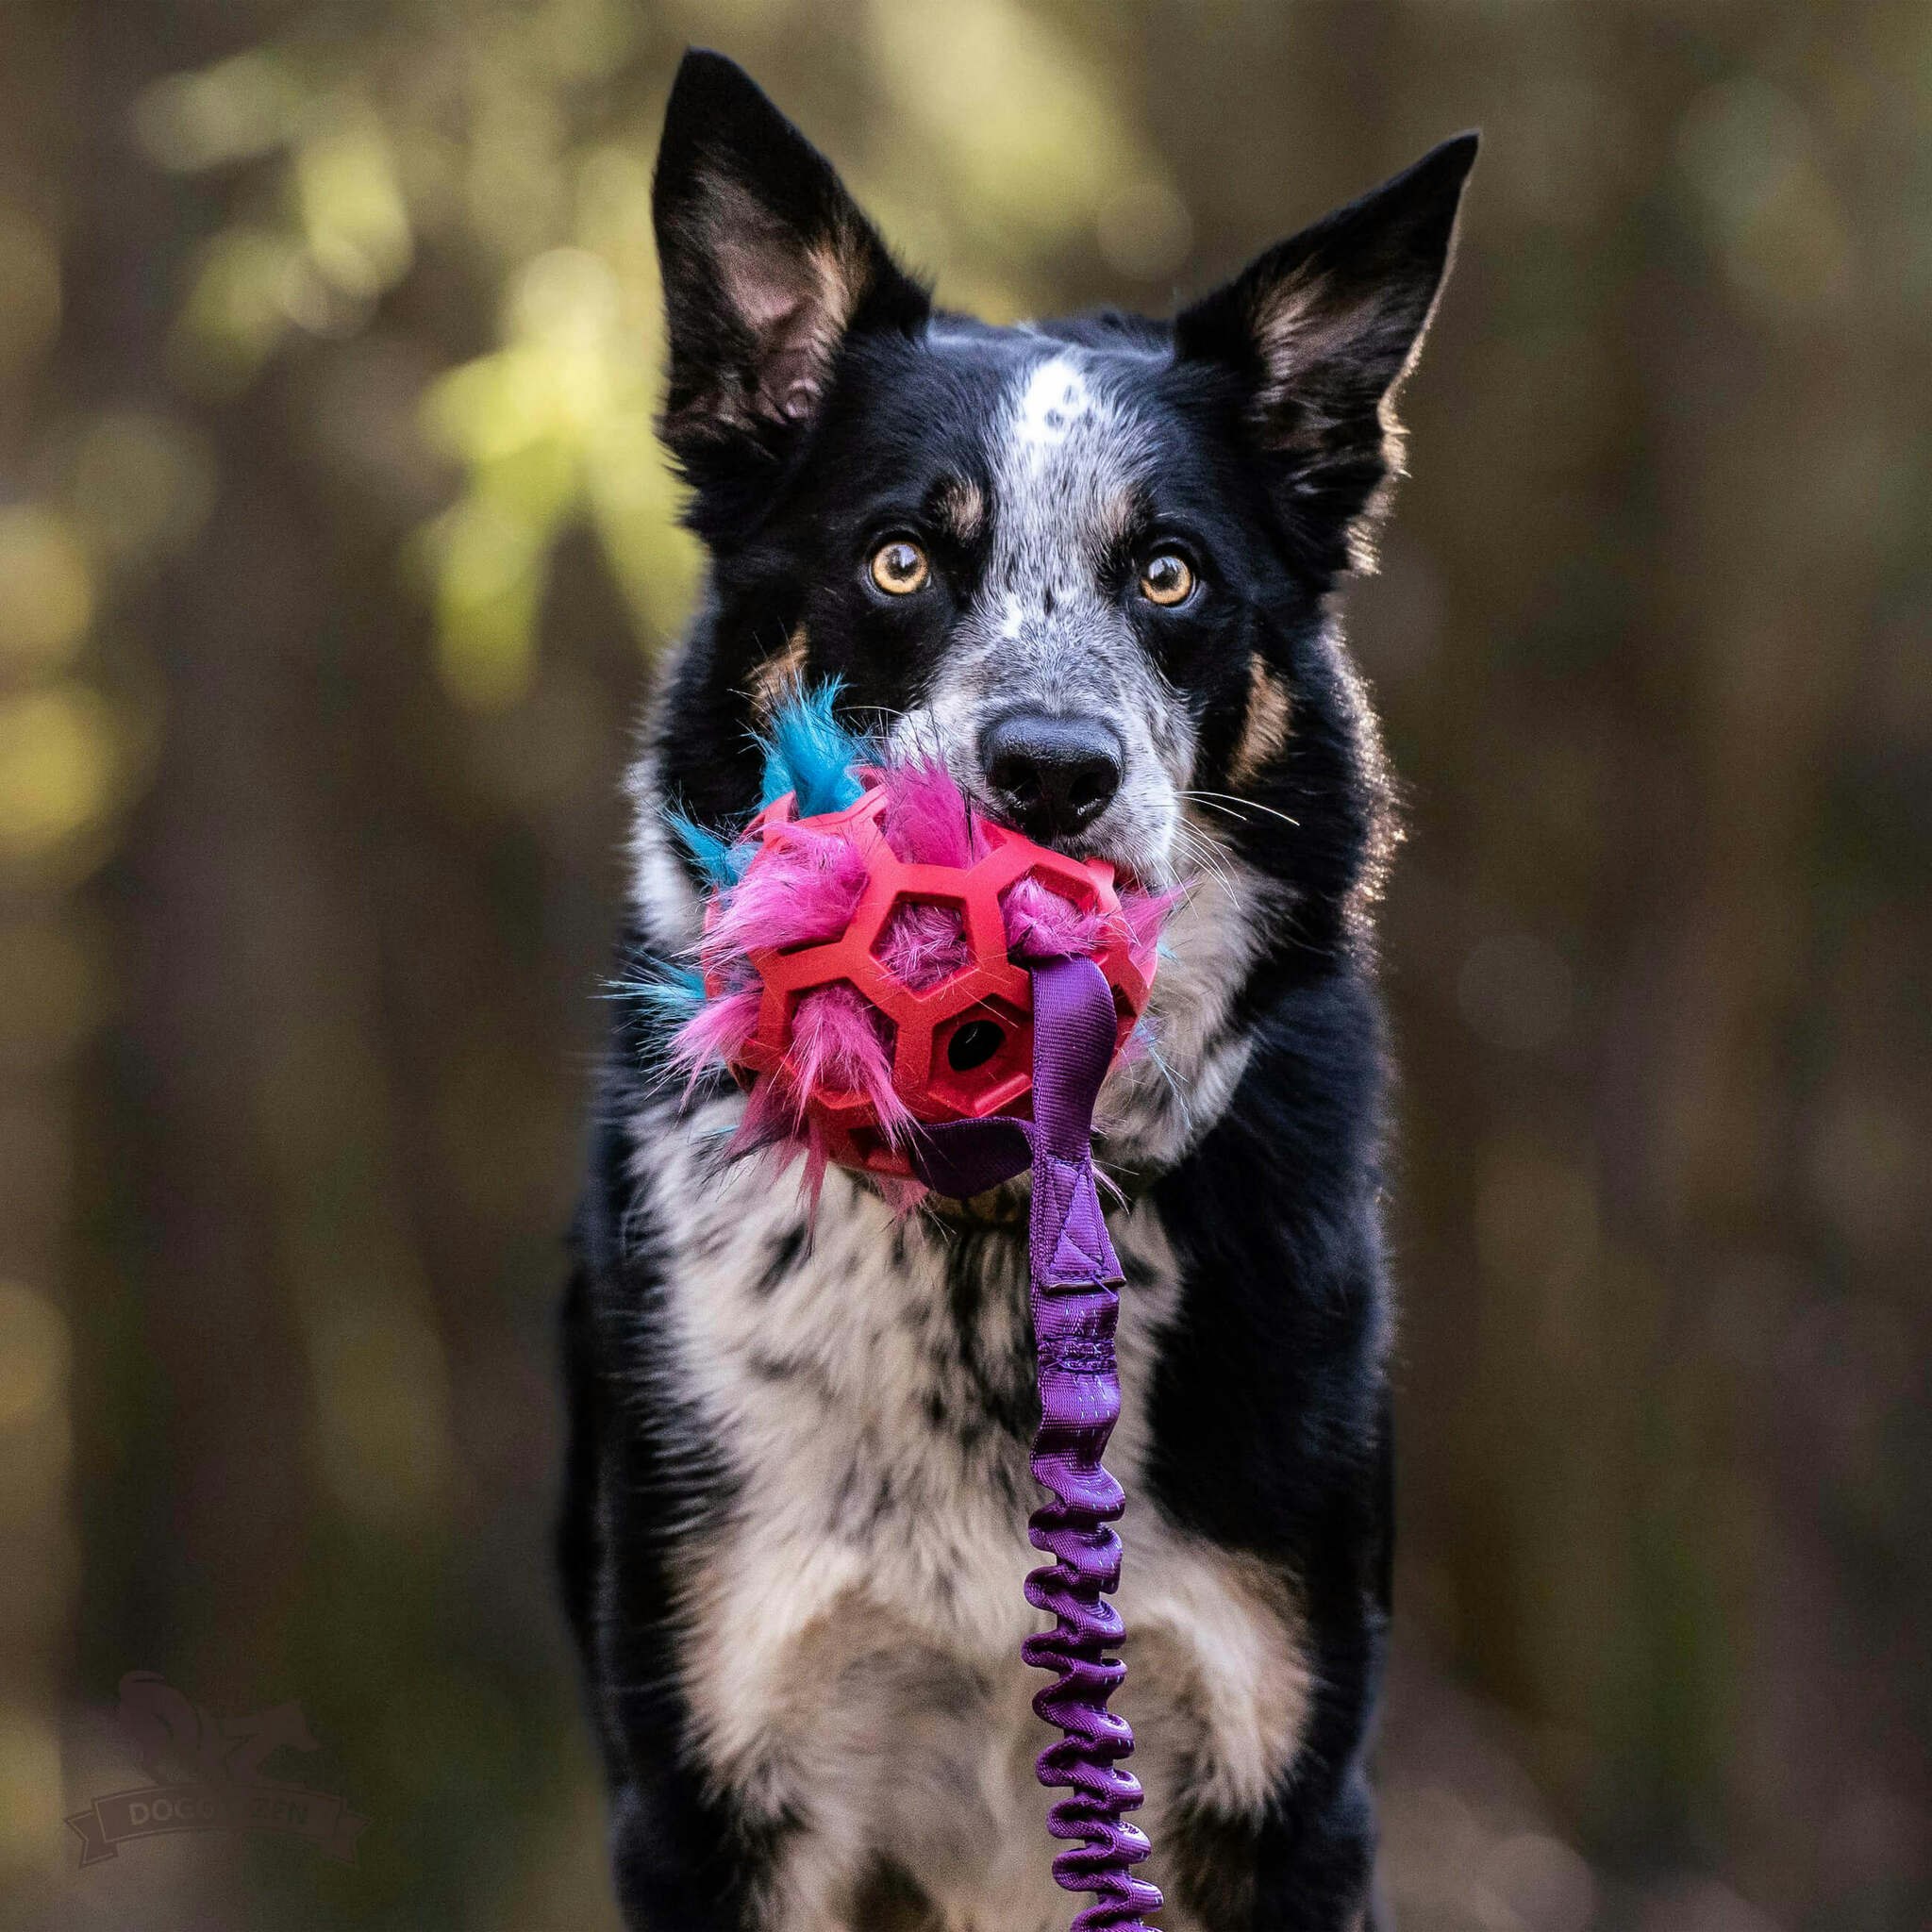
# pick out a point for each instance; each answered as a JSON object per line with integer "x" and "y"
{"x": 334, "y": 550}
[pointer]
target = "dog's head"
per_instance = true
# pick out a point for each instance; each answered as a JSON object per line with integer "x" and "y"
{"x": 1086, "y": 563}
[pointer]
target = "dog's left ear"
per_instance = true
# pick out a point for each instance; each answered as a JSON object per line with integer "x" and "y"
{"x": 1322, "y": 330}
{"x": 769, "y": 267}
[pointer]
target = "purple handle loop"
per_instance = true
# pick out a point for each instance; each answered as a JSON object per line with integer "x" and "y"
{"x": 1075, "y": 1273}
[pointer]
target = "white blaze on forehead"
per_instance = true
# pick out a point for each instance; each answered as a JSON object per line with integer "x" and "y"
{"x": 1054, "y": 394}
{"x": 1066, "y": 464}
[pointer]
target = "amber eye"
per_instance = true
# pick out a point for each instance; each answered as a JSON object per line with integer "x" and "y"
{"x": 899, "y": 568}
{"x": 1167, "y": 580}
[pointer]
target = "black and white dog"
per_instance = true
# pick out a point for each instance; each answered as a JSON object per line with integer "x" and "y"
{"x": 1094, "y": 562}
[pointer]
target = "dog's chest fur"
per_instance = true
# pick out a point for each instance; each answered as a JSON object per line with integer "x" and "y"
{"x": 851, "y": 1620}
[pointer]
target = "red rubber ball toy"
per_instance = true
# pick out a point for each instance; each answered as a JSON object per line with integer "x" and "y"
{"x": 957, "y": 1044}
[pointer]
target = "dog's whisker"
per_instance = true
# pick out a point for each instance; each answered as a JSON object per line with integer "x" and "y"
{"x": 1190, "y": 851}
{"x": 1222, "y": 809}
{"x": 1173, "y": 1086}
{"x": 1200, "y": 851}
{"x": 1228, "y": 798}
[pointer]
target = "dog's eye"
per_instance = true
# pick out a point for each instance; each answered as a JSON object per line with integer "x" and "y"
{"x": 1167, "y": 580}
{"x": 899, "y": 568}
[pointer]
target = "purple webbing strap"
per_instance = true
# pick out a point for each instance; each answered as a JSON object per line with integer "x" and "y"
{"x": 1074, "y": 1274}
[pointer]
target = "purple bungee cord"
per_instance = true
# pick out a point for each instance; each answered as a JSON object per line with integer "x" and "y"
{"x": 1075, "y": 1306}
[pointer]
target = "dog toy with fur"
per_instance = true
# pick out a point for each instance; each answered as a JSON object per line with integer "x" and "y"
{"x": 907, "y": 988}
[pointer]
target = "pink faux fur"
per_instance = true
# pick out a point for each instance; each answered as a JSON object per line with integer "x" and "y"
{"x": 716, "y": 1033}
{"x": 924, "y": 945}
{"x": 1042, "y": 925}
{"x": 842, "y": 1044}
{"x": 804, "y": 887}
{"x": 928, "y": 821}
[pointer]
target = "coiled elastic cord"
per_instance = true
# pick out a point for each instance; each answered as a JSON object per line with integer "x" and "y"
{"x": 1075, "y": 1273}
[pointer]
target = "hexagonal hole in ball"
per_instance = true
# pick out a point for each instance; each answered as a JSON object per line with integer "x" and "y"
{"x": 973, "y": 1045}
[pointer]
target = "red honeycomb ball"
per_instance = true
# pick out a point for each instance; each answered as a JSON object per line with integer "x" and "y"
{"x": 961, "y": 1049}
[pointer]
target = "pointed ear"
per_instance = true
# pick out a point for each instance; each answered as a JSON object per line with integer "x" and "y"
{"x": 1321, "y": 331}
{"x": 768, "y": 266}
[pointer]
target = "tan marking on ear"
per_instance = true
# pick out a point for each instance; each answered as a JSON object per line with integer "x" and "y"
{"x": 841, "y": 270}
{"x": 1296, "y": 327}
{"x": 962, "y": 505}
{"x": 779, "y": 677}
{"x": 1266, "y": 728}
{"x": 794, "y": 302}
{"x": 1299, "y": 328}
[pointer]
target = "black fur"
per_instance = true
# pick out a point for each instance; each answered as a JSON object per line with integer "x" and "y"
{"x": 806, "y": 428}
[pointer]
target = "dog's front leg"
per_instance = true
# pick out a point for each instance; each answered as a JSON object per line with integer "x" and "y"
{"x": 682, "y": 1861}
{"x": 679, "y": 1865}
{"x": 684, "y": 1857}
{"x": 1315, "y": 1865}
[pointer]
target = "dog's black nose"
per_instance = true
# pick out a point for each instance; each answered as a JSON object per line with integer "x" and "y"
{"x": 1053, "y": 776}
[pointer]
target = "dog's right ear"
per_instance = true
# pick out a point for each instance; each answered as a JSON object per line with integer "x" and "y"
{"x": 769, "y": 268}
{"x": 1322, "y": 329}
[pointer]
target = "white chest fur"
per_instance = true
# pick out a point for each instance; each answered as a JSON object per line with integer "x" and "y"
{"x": 852, "y": 1632}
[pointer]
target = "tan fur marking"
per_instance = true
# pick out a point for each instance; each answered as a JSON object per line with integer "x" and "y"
{"x": 1265, "y": 731}
{"x": 1298, "y": 327}
{"x": 1116, "y": 517}
{"x": 1385, "y": 828}
{"x": 962, "y": 503}
{"x": 779, "y": 677}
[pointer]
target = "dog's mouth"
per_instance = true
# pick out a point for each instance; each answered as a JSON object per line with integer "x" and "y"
{"x": 1129, "y": 872}
{"x": 1128, "y": 876}
{"x": 1119, "y": 817}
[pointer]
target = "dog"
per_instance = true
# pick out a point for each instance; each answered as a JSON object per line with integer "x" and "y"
{"x": 1093, "y": 565}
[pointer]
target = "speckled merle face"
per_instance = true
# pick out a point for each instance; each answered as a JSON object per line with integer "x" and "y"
{"x": 1084, "y": 562}
{"x": 1022, "y": 558}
